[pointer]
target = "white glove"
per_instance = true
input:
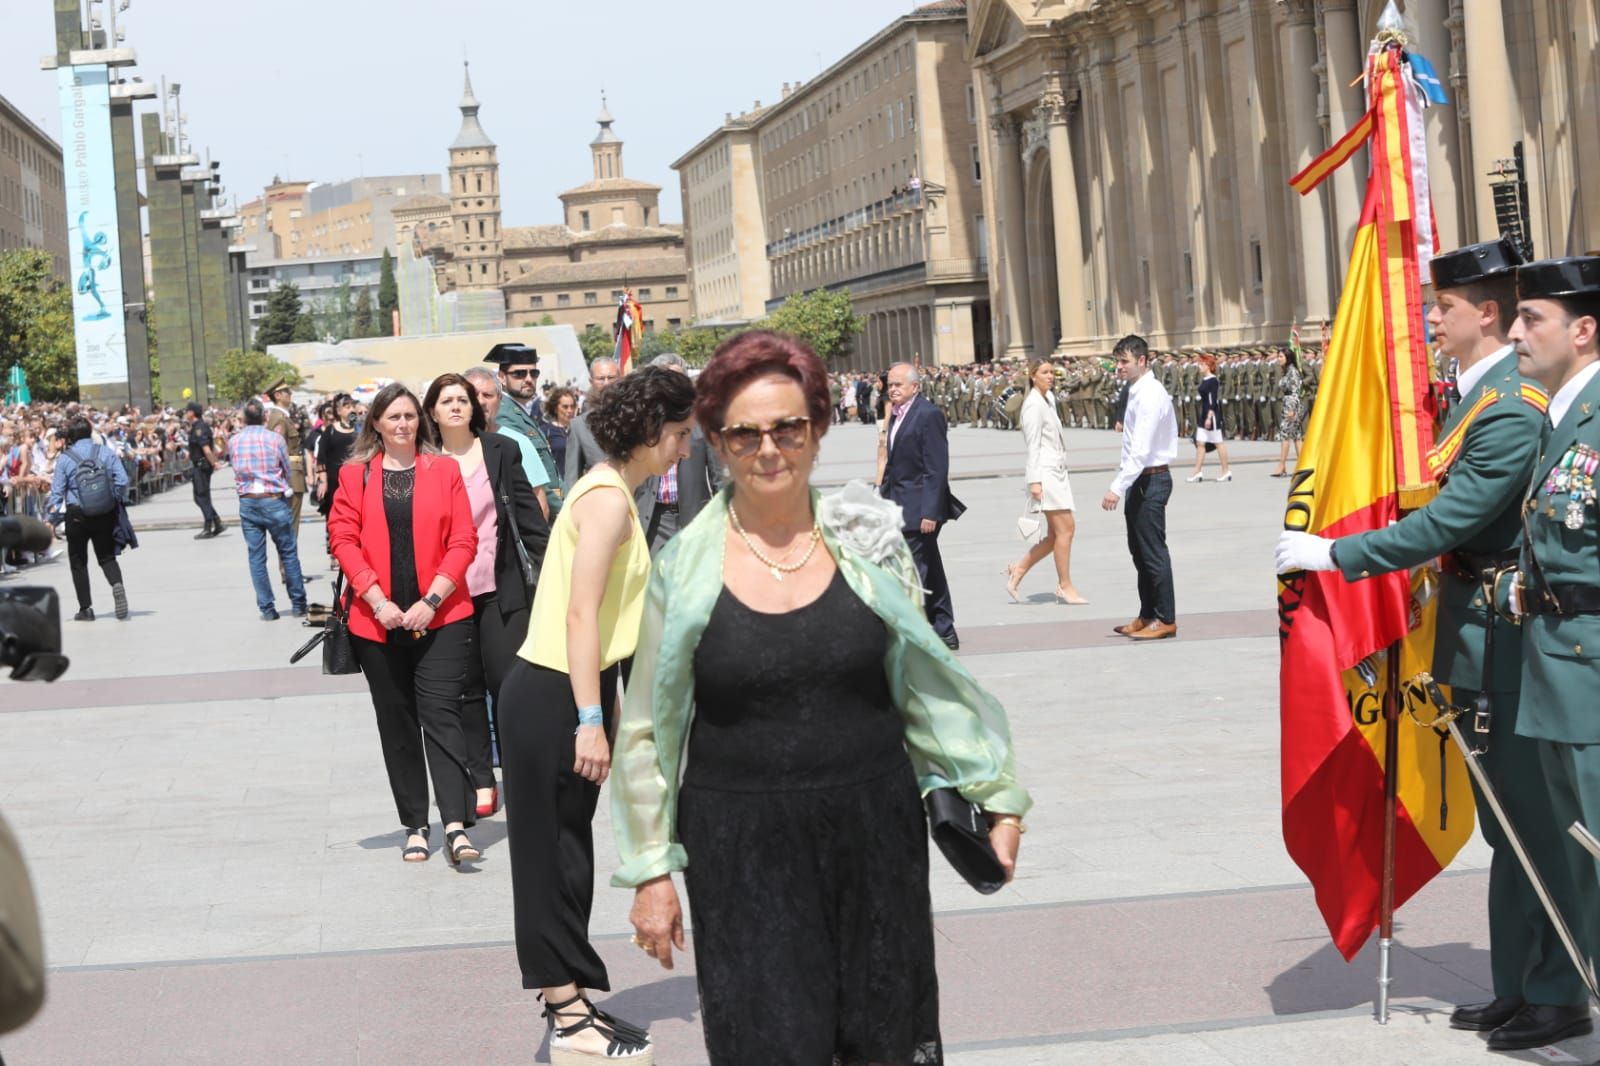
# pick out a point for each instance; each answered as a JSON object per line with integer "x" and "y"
{"x": 1303, "y": 551}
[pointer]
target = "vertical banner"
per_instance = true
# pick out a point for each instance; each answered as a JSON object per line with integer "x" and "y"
{"x": 93, "y": 257}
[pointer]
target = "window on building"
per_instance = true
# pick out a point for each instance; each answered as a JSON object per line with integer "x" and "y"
{"x": 1188, "y": 275}
{"x": 972, "y": 104}
{"x": 644, "y": 294}
{"x": 583, "y": 221}
{"x": 616, "y": 294}
{"x": 536, "y": 301}
{"x": 480, "y": 227}
{"x": 591, "y": 297}
{"x": 977, "y": 165}
{"x": 616, "y": 216}
{"x": 564, "y": 300}
{"x": 1258, "y": 275}
{"x": 983, "y": 237}
{"x": 674, "y": 323}
{"x": 483, "y": 270}
{"x": 672, "y": 292}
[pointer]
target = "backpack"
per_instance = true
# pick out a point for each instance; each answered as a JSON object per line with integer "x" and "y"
{"x": 96, "y": 494}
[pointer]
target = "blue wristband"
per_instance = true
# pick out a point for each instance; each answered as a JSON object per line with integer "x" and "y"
{"x": 591, "y": 715}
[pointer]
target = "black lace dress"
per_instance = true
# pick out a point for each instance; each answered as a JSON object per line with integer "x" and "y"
{"x": 808, "y": 850}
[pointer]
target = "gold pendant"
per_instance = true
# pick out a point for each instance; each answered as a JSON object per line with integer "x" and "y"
{"x": 777, "y": 575}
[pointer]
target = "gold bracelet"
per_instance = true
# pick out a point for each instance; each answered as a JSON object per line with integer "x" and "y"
{"x": 1011, "y": 820}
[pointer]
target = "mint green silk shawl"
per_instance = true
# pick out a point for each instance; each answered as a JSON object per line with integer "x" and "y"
{"x": 956, "y": 733}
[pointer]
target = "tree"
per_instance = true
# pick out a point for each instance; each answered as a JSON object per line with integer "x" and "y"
{"x": 596, "y": 343}
{"x": 306, "y": 329}
{"x": 363, "y": 316}
{"x": 283, "y": 317}
{"x": 388, "y": 296}
{"x": 547, "y": 319}
{"x": 656, "y": 342}
{"x": 824, "y": 320}
{"x": 241, "y": 374}
{"x": 36, "y": 325}
{"x": 697, "y": 343}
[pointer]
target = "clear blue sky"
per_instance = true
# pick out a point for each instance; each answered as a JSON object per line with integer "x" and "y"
{"x": 325, "y": 89}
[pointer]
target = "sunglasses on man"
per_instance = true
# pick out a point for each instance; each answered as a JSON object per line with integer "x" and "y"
{"x": 525, "y": 372}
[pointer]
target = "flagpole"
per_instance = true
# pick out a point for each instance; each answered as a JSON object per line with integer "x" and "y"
{"x": 1391, "y": 801}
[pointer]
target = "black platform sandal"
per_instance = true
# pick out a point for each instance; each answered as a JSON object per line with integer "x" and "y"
{"x": 625, "y": 1043}
{"x": 461, "y": 852}
{"x": 416, "y": 852}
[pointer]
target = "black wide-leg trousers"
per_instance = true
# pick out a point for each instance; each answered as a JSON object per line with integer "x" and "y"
{"x": 416, "y": 689}
{"x": 549, "y": 825}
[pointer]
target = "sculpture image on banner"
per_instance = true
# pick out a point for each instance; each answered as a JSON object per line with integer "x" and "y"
{"x": 93, "y": 255}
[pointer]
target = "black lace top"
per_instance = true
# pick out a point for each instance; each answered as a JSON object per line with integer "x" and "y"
{"x": 403, "y": 590}
{"x": 792, "y": 701}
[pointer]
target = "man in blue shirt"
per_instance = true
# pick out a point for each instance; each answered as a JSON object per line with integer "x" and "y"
{"x": 82, "y": 529}
{"x": 262, "y": 476}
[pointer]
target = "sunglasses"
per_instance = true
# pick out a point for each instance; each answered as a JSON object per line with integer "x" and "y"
{"x": 520, "y": 374}
{"x": 789, "y": 434}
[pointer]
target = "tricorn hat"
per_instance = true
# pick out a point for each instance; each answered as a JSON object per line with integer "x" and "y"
{"x": 512, "y": 355}
{"x": 1475, "y": 262}
{"x": 277, "y": 387}
{"x": 1551, "y": 278}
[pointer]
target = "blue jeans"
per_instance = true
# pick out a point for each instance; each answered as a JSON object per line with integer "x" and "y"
{"x": 257, "y": 520}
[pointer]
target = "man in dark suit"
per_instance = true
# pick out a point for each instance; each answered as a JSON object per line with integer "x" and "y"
{"x": 916, "y": 475}
{"x": 582, "y": 451}
{"x": 668, "y": 503}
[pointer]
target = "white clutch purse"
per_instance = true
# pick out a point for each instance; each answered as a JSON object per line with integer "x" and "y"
{"x": 1028, "y": 526}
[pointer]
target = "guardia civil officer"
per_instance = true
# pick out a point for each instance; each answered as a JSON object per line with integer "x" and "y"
{"x": 1558, "y": 317}
{"x": 1483, "y": 459}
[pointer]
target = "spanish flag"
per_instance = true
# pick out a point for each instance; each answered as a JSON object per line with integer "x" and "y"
{"x": 629, "y": 330}
{"x": 1364, "y": 462}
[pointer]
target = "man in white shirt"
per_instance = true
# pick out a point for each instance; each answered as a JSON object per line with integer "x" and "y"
{"x": 1149, "y": 445}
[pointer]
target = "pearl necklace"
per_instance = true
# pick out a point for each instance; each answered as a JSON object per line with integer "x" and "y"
{"x": 775, "y": 567}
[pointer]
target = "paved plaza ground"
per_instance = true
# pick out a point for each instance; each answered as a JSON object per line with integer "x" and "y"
{"x": 216, "y": 856}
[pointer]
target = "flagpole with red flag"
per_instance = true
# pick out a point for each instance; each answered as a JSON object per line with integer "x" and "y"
{"x": 1365, "y": 789}
{"x": 628, "y": 331}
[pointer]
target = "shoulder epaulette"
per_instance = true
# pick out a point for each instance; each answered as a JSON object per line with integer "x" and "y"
{"x": 1534, "y": 397}
{"x": 1448, "y": 447}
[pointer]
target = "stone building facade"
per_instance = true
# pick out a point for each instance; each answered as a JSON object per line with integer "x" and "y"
{"x": 872, "y": 181}
{"x": 33, "y": 211}
{"x": 570, "y": 273}
{"x": 1140, "y": 154}
{"x": 725, "y": 232}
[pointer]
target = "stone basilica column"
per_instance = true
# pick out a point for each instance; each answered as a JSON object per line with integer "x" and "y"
{"x": 1305, "y": 143}
{"x": 1010, "y": 202}
{"x": 1346, "y": 59}
{"x": 1492, "y": 103}
{"x": 1070, "y": 284}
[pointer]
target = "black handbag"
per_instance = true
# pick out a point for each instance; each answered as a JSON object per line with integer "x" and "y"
{"x": 338, "y": 654}
{"x": 962, "y": 833}
{"x": 525, "y": 564}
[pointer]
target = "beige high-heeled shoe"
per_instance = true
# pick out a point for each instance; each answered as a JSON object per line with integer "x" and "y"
{"x": 1061, "y": 597}
{"x": 1013, "y": 582}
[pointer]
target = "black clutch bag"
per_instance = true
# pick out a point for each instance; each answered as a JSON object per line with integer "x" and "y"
{"x": 962, "y": 833}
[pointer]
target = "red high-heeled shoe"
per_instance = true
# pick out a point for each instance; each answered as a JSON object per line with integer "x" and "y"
{"x": 488, "y": 810}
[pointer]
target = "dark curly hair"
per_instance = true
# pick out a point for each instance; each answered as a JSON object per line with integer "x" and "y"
{"x": 554, "y": 400}
{"x": 631, "y": 412}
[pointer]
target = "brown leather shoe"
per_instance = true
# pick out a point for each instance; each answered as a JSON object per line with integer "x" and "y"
{"x": 1156, "y": 631}
{"x": 1131, "y": 628}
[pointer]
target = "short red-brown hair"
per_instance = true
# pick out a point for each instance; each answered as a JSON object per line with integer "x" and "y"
{"x": 754, "y": 355}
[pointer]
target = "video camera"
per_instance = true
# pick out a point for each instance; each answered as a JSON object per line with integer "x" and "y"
{"x": 30, "y": 617}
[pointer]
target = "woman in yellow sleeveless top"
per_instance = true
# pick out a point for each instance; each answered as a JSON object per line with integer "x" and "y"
{"x": 556, "y": 709}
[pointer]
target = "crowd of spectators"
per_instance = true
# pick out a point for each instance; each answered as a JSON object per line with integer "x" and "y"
{"x": 151, "y": 446}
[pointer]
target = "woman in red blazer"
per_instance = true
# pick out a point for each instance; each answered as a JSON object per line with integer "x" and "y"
{"x": 402, "y": 531}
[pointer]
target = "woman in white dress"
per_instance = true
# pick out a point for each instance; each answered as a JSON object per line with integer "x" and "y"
{"x": 1048, "y": 487}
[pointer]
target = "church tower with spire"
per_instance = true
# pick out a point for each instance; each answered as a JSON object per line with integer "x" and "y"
{"x": 474, "y": 193}
{"x": 606, "y": 146}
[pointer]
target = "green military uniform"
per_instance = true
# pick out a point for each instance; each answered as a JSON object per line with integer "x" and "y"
{"x": 1560, "y": 597}
{"x": 1485, "y": 454}
{"x": 285, "y": 425}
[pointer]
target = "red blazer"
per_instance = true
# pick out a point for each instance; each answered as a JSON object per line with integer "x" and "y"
{"x": 444, "y": 539}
